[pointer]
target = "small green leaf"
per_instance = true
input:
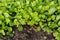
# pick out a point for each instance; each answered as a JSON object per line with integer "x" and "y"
{"x": 49, "y": 19}
{"x": 33, "y": 3}
{"x": 22, "y": 21}
{"x": 7, "y": 20}
{"x": 20, "y": 28}
{"x": 52, "y": 3}
{"x": 9, "y": 29}
{"x": 43, "y": 16}
{"x": 10, "y": 34}
{"x": 2, "y": 32}
{"x": 57, "y": 17}
{"x": 47, "y": 29}
{"x": 58, "y": 29}
{"x": 53, "y": 17}
{"x": 26, "y": 16}
{"x": 38, "y": 28}
{"x": 16, "y": 22}
{"x": 0, "y": 22}
{"x": 1, "y": 17}
{"x": 31, "y": 22}
{"x": 55, "y": 34}
{"x": 11, "y": 23}
{"x": 59, "y": 23}
{"x": 6, "y": 15}
{"x": 41, "y": 24}
{"x": 53, "y": 25}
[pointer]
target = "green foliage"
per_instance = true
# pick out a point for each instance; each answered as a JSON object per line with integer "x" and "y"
{"x": 45, "y": 14}
{"x": 20, "y": 28}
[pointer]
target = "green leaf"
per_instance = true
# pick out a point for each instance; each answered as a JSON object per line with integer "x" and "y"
{"x": 38, "y": 28}
{"x": 52, "y": 3}
{"x": 26, "y": 16}
{"x": 0, "y": 22}
{"x": 53, "y": 25}
{"x": 57, "y": 37}
{"x": 6, "y": 15}
{"x": 57, "y": 17}
{"x": 59, "y": 2}
{"x": 53, "y": 17}
{"x": 33, "y": 3}
{"x": 49, "y": 19}
{"x": 58, "y": 29}
{"x": 43, "y": 16}
{"x": 16, "y": 22}
{"x": 20, "y": 28}
{"x": 41, "y": 24}
{"x": 22, "y": 21}
{"x": 47, "y": 29}
{"x": 51, "y": 10}
{"x": 2, "y": 32}
{"x": 31, "y": 22}
{"x": 55, "y": 34}
{"x": 10, "y": 34}
{"x": 1, "y": 17}
{"x": 59, "y": 23}
{"x": 7, "y": 20}
{"x": 9, "y": 29}
{"x": 11, "y": 23}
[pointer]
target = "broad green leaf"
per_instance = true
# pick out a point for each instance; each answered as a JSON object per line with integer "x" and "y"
{"x": 57, "y": 17}
{"x": 51, "y": 10}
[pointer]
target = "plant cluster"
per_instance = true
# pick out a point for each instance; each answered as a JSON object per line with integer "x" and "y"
{"x": 44, "y": 13}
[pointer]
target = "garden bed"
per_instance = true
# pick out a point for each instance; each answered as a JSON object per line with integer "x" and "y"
{"x": 30, "y": 34}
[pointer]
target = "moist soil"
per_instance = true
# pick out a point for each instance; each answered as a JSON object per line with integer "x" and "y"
{"x": 29, "y": 33}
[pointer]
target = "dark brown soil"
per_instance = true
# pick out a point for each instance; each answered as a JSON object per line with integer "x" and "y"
{"x": 30, "y": 33}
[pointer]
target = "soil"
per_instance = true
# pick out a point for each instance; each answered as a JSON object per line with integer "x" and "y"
{"x": 30, "y": 33}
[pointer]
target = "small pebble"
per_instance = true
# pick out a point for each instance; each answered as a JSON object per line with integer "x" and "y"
{"x": 45, "y": 37}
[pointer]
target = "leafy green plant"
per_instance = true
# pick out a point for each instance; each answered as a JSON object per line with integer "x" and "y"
{"x": 44, "y": 13}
